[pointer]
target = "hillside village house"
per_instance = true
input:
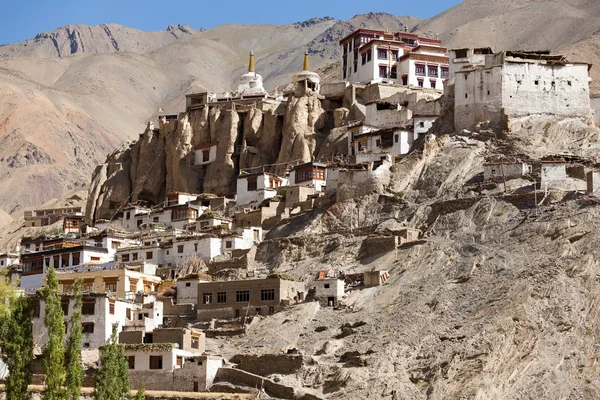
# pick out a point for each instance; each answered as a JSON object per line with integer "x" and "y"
{"x": 187, "y": 289}
{"x": 205, "y": 154}
{"x": 509, "y": 169}
{"x": 235, "y": 299}
{"x": 460, "y": 58}
{"x": 63, "y": 254}
{"x": 311, "y": 174}
{"x": 122, "y": 283}
{"x": 208, "y": 220}
{"x": 8, "y": 259}
{"x": 515, "y": 84}
{"x": 254, "y": 188}
{"x": 99, "y": 313}
{"x": 328, "y": 291}
{"x": 44, "y": 217}
{"x": 403, "y": 58}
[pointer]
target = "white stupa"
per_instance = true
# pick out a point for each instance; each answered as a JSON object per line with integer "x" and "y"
{"x": 251, "y": 83}
{"x": 307, "y": 80}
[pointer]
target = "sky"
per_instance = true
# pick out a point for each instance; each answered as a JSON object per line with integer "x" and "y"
{"x": 20, "y": 20}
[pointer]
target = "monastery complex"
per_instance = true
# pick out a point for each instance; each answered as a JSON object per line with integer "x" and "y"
{"x": 172, "y": 261}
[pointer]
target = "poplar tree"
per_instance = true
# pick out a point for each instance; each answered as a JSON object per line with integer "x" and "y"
{"x": 16, "y": 346}
{"x": 112, "y": 378}
{"x": 74, "y": 377}
{"x": 54, "y": 350}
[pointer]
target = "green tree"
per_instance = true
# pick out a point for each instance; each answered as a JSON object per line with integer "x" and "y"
{"x": 7, "y": 294}
{"x": 16, "y": 345}
{"x": 54, "y": 350}
{"x": 74, "y": 377}
{"x": 141, "y": 393}
{"x": 112, "y": 378}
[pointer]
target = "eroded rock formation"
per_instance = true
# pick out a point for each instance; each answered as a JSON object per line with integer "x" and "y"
{"x": 248, "y": 134}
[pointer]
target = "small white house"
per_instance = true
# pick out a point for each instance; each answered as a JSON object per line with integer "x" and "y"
{"x": 133, "y": 217}
{"x": 422, "y": 124}
{"x": 552, "y": 171}
{"x": 179, "y": 198}
{"x": 395, "y": 141}
{"x": 205, "y": 154}
{"x": 329, "y": 290}
{"x": 205, "y": 247}
{"x": 310, "y": 174}
{"x": 245, "y": 239}
{"x": 8, "y": 259}
{"x": 99, "y": 313}
{"x": 187, "y": 289}
{"x": 252, "y": 189}
{"x": 211, "y": 220}
{"x": 505, "y": 170}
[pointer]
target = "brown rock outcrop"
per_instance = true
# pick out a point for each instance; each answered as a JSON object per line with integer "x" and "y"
{"x": 250, "y": 135}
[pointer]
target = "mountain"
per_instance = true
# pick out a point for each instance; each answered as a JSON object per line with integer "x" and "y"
{"x": 104, "y": 38}
{"x": 567, "y": 26}
{"x": 71, "y": 96}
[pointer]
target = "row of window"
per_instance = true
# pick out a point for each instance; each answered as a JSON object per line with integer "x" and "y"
{"x": 432, "y": 71}
{"x": 241, "y": 296}
{"x": 309, "y": 174}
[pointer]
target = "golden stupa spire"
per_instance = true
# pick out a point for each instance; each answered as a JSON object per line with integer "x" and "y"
{"x": 306, "y": 65}
{"x": 251, "y": 62}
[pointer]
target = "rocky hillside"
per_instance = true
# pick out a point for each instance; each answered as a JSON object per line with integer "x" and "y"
{"x": 104, "y": 38}
{"x": 498, "y": 300}
{"x": 72, "y": 96}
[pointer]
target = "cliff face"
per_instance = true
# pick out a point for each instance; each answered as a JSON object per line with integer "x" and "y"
{"x": 250, "y": 135}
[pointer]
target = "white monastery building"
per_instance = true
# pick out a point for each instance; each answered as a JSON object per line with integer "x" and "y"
{"x": 370, "y": 56}
{"x": 515, "y": 84}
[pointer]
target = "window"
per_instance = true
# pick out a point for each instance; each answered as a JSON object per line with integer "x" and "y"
{"x": 88, "y": 286}
{"x": 569, "y": 83}
{"x": 205, "y": 155}
{"x": 156, "y": 362}
{"x": 87, "y": 327}
{"x": 420, "y": 83}
{"x": 382, "y": 71}
{"x": 420, "y": 69}
{"x": 369, "y": 55}
{"x": 432, "y": 70}
{"x": 355, "y": 65}
{"x": 252, "y": 185}
{"x": 432, "y": 83}
{"x": 326, "y": 286}
{"x": 67, "y": 288}
{"x": 394, "y": 55}
{"x": 76, "y": 258}
{"x": 394, "y": 73}
{"x": 421, "y": 124}
{"x": 64, "y": 304}
{"x": 382, "y": 54}
{"x": 115, "y": 245}
{"x": 88, "y": 307}
{"x": 155, "y": 219}
{"x": 242, "y": 296}
{"x": 188, "y": 284}
{"x": 267, "y": 294}
{"x": 86, "y": 345}
{"x": 466, "y": 95}
{"x": 110, "y": 286}
{"x": 445, "y": 72}
{"x": 180, "y": 249}
{"x": 378, "y": 143}
{"x": 125, "y": 258}
{"x": 131, "y": 362}
{"x": 196, "y": 244}
{"x": 139, "y": 222}
{"x": 461, "y": 53}
{"x": 395, "y": 138}
{"x": 128, "y": 215}
{"x": 303, "y": 174}
{"x": 221, "y": 297}
{"x": 134, "y": 256}
{"x": 207, "y": 298}
{"x": 179, "y": 361}
{"x": 128, "y": 314}
{"x": 228, "y": 244}
{"x": 195, "y": 342}
{"x": 111, "y": 308}
{"x": 148, "y": 254}
{"x": 363, "y": 57}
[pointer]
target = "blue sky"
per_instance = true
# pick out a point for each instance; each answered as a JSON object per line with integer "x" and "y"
{"x": 20, "y": 20}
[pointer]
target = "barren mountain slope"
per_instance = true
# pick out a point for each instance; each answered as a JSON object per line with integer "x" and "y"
{"x": 498, "y": 301}
{"x": 104, "y": 38}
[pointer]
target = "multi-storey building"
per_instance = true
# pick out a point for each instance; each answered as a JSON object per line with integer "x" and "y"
{"x": 403, "y": 58}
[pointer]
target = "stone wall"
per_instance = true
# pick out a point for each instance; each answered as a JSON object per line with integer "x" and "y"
{"x": 268, "y": 364}
{"x": 378, "y": 245}
{"x": 239, "y": 377}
